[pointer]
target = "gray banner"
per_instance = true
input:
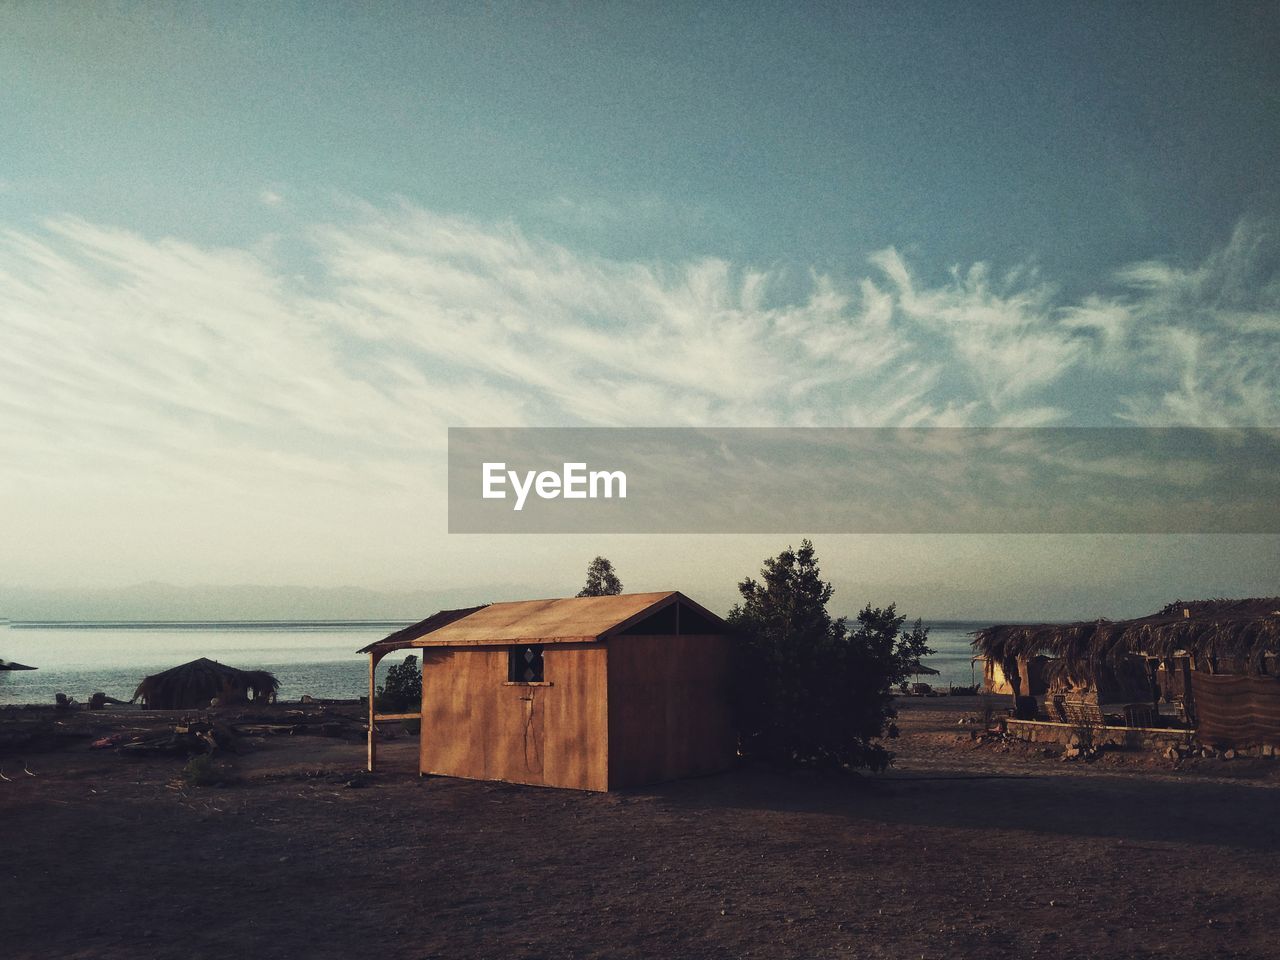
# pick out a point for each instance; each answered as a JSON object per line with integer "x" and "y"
{"x": 927, "y": 480}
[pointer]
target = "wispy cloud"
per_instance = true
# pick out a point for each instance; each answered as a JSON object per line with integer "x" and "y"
{"x": 1198, "y": 345}
{"x": 209, "y": 365}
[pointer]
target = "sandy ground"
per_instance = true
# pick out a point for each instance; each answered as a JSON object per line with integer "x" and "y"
{"x": 964, "y": 849}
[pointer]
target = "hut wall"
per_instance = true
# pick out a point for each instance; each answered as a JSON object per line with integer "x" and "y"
{"x": 1235, "y": 710}
{"x": 668, "y": 708}
{"x": 477, "y": 725}
{"x": 993, "y": 679}
{"x": 1031, "y": 676}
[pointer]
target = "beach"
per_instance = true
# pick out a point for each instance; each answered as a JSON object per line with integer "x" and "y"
{"x": 965, "y": 848}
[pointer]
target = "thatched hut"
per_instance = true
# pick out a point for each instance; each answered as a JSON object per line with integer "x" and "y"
{"x": 198, "y": 683}
{"x": 1199, "y": 655}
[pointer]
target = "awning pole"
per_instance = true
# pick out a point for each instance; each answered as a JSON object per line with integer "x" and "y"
{"x": 373, "y": 729}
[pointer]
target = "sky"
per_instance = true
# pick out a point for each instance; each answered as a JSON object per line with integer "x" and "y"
{"x": 255, "y": 259}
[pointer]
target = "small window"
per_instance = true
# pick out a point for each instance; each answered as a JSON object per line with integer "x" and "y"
{"x": 524, "y": 665}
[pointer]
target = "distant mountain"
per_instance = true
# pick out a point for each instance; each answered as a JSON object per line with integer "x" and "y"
{"x": 165, "y": 601}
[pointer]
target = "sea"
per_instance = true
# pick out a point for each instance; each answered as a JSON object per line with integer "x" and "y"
{"x": 319, "y": 659}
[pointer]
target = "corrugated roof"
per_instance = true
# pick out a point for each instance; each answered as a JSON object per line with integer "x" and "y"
{"x": 405, "y": 635}
{"x": 568, "y": 620}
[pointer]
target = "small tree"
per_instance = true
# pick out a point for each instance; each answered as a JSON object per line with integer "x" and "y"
{"x": 806, "y": 690}
{"x": 402, "y": 690}
{"x": 601, "y": 580}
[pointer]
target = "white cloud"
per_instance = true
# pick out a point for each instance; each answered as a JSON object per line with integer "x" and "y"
{"x": 212, "y": 380}
{"x": 1195, "y": 346}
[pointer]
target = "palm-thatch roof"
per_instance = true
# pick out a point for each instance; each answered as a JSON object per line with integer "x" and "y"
{"x": 1243, "y": 631}
{"x": 196, "y": 683}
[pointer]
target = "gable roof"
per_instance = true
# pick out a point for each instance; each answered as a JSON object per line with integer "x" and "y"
{"x": 567, "y": 620}
{"x": 405, "y": 635}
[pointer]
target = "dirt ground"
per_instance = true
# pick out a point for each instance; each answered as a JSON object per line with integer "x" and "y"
{"x": 964, "y": 849}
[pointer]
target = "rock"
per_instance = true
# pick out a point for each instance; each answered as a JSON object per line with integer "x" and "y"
{"x": 1268, "y": 750}
{"x": 1171, "y": 753}
{"x": 1228, "y": 755}
{"x": 1074, "y": 741}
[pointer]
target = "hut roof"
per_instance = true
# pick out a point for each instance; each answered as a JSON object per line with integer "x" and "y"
{"x": 195, "y": 683}
{"x": 569, "y": 620}
{"x": 406, "y": 635}
{"x": 1223, "y": 629}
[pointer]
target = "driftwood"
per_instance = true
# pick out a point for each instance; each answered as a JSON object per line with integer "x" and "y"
{"x": 191, "y": 739}
{"x": 342, "y": 729}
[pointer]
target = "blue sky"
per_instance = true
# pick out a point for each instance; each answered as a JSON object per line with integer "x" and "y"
{"x": 256, "y": 258}
{"x": 1079, "y": 136}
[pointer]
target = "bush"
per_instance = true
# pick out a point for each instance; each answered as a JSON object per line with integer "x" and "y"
{"x": 402, "y": 691}
{"x": 808, "y": 690}
{"x": 200, "y": 771}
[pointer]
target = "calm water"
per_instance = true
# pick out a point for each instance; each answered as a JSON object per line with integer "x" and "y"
{"x": 316, "y": 659}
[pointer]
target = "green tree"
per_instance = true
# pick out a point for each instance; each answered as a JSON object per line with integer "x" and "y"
{"x": 601, "y": 580}
{"x": 402, "y": 690}
{"x": 806, "y": 689}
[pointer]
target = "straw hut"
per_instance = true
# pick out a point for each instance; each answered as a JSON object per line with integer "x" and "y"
{"x": 1030, "y": 674}
{"x": 1215, "y": 660}
{"x": 198, "y": 683}
{"x": 591, "y": 693}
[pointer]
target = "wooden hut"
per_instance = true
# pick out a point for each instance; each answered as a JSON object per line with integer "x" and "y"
{"x": 198, "y": 683}
{"x": 592, "y": 693}
{"x": 1214, "y": 661}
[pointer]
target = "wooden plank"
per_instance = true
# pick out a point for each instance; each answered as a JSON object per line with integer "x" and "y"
{"x": 431, "y": 640}
{"x": 478, "y": 725}
{"x": 668, "y": 706}
{"x": 373, "y": 730}
{"x": 379, "y": 717}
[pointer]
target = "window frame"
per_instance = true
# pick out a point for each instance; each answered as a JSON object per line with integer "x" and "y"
{"x": 515, "y": 665}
